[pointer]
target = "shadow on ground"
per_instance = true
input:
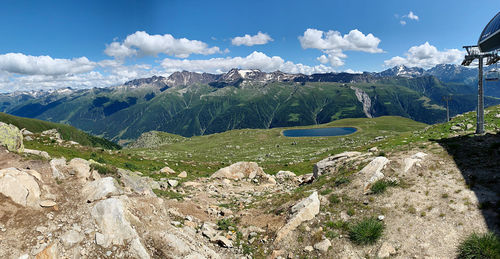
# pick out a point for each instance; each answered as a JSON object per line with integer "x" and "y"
{"x": 478, "y": 158}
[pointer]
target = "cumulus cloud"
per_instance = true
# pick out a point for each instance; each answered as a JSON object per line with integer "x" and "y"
{"x": 247, "y": 40}
{"x": 412, "y": 16}
{"x": 407, "y": 17}
{"x": 333, "y": 44}
{"x": 426, "y": 56}
{"x": 143, "y": 44}
{"x": 18, "y": 63}
{"x": 256, "y": 60}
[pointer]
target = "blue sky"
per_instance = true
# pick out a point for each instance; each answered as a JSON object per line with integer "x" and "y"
{"x": 51, "y": 44}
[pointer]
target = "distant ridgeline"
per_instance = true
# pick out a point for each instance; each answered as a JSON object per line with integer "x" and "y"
{"x": 190, "y": 104}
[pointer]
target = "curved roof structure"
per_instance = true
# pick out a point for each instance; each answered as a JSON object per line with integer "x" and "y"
{"x": 490, "y": 37}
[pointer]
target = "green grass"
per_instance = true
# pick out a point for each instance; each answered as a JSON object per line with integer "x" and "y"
{"x": 104, "y": 169}
{"x": 367, "y": 231}
{"x": 169, "y": 194}
{"x": 380, "y": 186}
{"x": 485, "y": 246}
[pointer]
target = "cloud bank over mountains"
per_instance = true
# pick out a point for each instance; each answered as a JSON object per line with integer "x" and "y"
{"x": 20, "y": 71}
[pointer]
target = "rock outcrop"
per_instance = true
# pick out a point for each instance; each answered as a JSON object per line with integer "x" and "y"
{"x": 329, "y": 163}
{"x": 372, "y": 172}
{"x": 409, "y": 162}
{"x": 110, "y": 216}
{"x": 243, "y": 170}
{"x": 305, "y": 210}
{"x": 20, "y": 186}
{"x": 11, "y": 137}
{"x": 102, "y": 188}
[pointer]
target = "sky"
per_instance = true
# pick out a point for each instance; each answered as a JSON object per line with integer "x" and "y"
{"x": 83, "y": 44}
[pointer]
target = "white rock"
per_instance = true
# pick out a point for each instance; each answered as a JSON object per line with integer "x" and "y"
{"x": 386, "y": 250}
{"x": 20, "y": 187}
{"x": 183, "y": 174}
{"x": 37, "y": 152}
{"x": 57, "y": 165}
{"x": 381, "y": 217}
{"x": 323, "y": 246}
{"x": 172, "y": 183}
{"x": 167, "y": 170}
{"x": 410, "y": 161}
{"x": 305, "y": 210}
{"x": 99, "y": 189}
{"x": 372, "y": 172}
{"x": 238, "y": 171}
{"x": 322, "y": 166}
{"x": 48, "y": 203}
{"x": 71, "y": 238}
{"x": 110, "y": 216}
{"x": 308, "y": 249}
{"x": 80, "y": 167}
{"x": 223, "y": 241}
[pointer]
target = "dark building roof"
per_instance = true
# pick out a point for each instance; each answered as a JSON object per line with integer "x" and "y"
{"x": 490, "y": 37}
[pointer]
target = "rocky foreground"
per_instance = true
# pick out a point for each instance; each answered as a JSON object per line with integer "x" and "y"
{"x": 53, "y": 208}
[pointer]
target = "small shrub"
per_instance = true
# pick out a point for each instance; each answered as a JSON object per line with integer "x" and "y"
{"x": 351, "y": 212}
{"x": 331, "y": 234}
{"x": 367, "y": 231}
{"x": 334, "y": 199}
{"x": 444, "y": 195}
{"x": 381, "y": 185}
{"x": 226, "y": 224}
{"x": 326, "y": 191}
{"x": 168, "y": 194}
{"x": 342, "y": 180}
{"x": 480, "y": 246}
{"x": 104, "y": 169}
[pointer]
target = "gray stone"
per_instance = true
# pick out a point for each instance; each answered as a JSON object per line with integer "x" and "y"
{"x": 37, "y": 153}
{"x": 11, "y": 137}
{"x": 137, "y": 183}
{"x": 80, "y": 167}
{"x": 102, "y": 188}
{"x": 223, "y": 241}
{"x": 172, "y": 183}
{"x": 323, "y": 246}
{"x": 305, "y": 210}
{"x": 57, "y": 165}
{"x": 71, "y": 238}
{"x": 386, "y": 250}
{"x": 20, "y": 186}
{"x": 48, "y": 203}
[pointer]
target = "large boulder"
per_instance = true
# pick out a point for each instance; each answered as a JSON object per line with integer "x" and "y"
{"x": 137, "y": 183}
{"x": 305, "y": 210}
{"x": 101, "y": 188}
{"x": 37, "y": 153}
{"x": 20, "y": 186}
{"x": 371, "y": 172}
{"x": 242, "y": 170}
{"x": 110, "y": 216}
{"x": 324, "y": 165}
{"x": 11, "y": 137}
{"x": 238, "y": 171}
{"x": 58, "y": 165}
{"x": 409, "y": 162}
{"x": 80, "y": 167}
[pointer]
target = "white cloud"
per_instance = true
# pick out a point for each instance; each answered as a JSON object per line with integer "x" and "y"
{"x": 412, "y": 16}
{"x": 18, "y": 63}
{"x": 256, "y": 60}
{"x": 426, "y": 56}
{"x": 333, "y": 44}
{"x": 247, "y": 40}
{"x": 402, "y": 22}
{"x": 143, "y": 44}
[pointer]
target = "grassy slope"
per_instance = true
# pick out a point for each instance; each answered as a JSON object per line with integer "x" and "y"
{"x": 67, "y": 132}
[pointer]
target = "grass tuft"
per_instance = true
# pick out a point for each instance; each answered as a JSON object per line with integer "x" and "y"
{"x": 367, "y": 231}
{"x": 480, "y": 246}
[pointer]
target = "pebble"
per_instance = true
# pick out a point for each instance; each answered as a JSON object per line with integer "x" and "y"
{"x": 381, "y": 217}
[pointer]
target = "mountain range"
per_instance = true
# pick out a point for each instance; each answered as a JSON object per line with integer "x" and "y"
{"x": 188, "y": 103}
